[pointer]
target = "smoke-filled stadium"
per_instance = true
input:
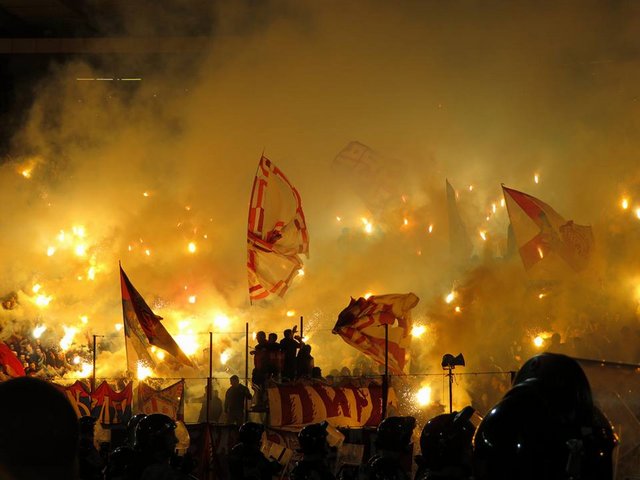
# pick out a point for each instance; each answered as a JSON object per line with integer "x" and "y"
{"x": 296, "y": 239}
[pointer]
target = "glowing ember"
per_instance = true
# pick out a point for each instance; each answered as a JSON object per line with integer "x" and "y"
{"x": 36, "y": 288}
{"x": 86, "y": 369}
{"x": 147, "y": 252}
{"x": 118, "y": 327}
{"x": 423, "y": 396}
{"x": 26, "y": 173}
{"x": 542, "y": 295}
{"x": 471, "y": 188}
{"x": 493, "y": 207}
{"x": 538, "y": 341}
{"x": 61, "y": 236}
{"x": 187, "y": 341}
{"x": 431, "y": 228}
{"x": 51, "y": 251}
{"x": 225, "y": 356}
{"x": 80, "y": 250}
{"x": 418, "y": 330}
{"x": 301, "y": 272}
{"x": 76, "y": 360}
{"x": 502, "y": 203}
{"x": 536, "y": 178}
{"x": 221, "y": 321}
{"x": 338, "y": 219}
{"x": 458, "y": 309}
{"x": 160, "y": 354}
{"x": 67, "y": 340}
{"x": 192, "y": 247}
{"x": 450, "y": 296}
{"x": 43, "y": 300}
{"x": 145, "y": 194}
{"x": 624, "y": 203}
{"x": 192, "y": 299}
{"x": 540, "y": 252}
{"x": 368, "y": 226}
{"x": 39, "y": 330}
{"x": 91, "y": 273}
{"x": 291, "y": 313}
{"x": 367, "y": 295}
{"x": 143, "y": 371}
{"x": 483, "y": 235}
{"x": 638, "y": 212}
{"x": 406, "y": 221}
{"x": 84, "y": 319}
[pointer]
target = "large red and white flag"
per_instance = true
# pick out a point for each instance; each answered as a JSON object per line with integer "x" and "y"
{"x": 541, "y": 234}
{"x": 277, "y": 233}
{"x": 372, "y": 176}
{"x": 142, "y": 328}
{"x": 362, "y": 323}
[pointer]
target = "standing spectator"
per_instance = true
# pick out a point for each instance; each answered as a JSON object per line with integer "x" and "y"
{"x": 215, "y": 407}
{"x": 304, "y": 362}
{"x": 289, "y": 346}
{"x": 260, "y": 360}
{"x": 274, "y": 356}
{"x": 234, "y": 401}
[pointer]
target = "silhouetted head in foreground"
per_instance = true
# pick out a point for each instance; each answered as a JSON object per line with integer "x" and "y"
{"x": 38, "y": 431}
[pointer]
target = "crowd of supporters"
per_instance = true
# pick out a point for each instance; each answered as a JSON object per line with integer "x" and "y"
{"x": 47, "y": 361}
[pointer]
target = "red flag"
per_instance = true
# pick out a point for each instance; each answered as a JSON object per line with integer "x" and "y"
{"x": 540, "y": 232}
{"x": 277, "y": 233}
{"x": 142, "y": 327}
{"x": 361, "y": 325}
{"x": 10, "y": 362}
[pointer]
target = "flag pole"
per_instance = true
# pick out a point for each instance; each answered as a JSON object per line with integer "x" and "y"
{"x": 93, "y": 370}
{"x": 246, "y": 354}
{"x": 210, "y": 374}
{"x": 450, "y": 375}
{"x": 301, "y": 327}
{"x": 246, "y": 366}
{"x": 385, "y": 379}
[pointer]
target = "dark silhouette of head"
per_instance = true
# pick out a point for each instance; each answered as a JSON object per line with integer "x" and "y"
{"x": 234, "y": 380}
{"x": 38, "y": 431}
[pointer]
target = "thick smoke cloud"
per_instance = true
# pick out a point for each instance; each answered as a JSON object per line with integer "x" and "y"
{"x": 479, "y": 93}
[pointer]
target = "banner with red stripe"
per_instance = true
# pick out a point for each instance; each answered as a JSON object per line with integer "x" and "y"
{"x": 362, "y": 323}
{"x": 277, "y": 233}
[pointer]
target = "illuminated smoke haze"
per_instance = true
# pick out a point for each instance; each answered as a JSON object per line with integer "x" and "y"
{"x": 479, "y": 93}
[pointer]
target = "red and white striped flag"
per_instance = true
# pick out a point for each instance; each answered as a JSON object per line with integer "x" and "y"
{"x": 542, "y": 234}
{"x": 361, "y": 325}
{"x": 277, "y": 233}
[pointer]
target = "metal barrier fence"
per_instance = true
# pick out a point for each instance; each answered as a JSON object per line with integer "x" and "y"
{"x": 421, "y": 395}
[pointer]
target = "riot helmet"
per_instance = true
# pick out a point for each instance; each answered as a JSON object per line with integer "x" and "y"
{"x": 250, "y": 433}
{"x": 155, "y": 434}
{"x": 313, "y": 438}
{"x": 447, "y": 439}
{"x": 394, "y": 433}
{"x": 545, "y": 427}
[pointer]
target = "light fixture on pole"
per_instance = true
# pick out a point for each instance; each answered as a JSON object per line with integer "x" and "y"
{"x": 449, "y": 363}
